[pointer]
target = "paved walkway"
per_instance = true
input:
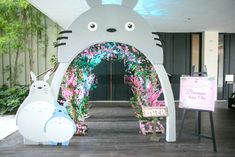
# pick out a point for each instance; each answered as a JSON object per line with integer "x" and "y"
{"x": 7, "y": 126}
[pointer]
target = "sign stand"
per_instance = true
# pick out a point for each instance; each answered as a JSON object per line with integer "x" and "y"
{"x": 154, "y": 136}
{"x": 198, "y": 126}
{"x": 198, "y": 117}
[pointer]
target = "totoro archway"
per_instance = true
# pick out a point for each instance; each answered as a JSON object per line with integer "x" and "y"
{"x": 115, "y": 23}
{"x": 79, "y": 78}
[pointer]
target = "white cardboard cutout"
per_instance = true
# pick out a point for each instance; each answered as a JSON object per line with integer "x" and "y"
{"x": 35, "y": 110}
{"x": 60, "y": 128}
{"x": 115, "y": 17}
{"x": 94, "y": 3}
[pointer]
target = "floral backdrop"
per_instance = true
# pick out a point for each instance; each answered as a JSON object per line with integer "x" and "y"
{"x": 79, "y": 79}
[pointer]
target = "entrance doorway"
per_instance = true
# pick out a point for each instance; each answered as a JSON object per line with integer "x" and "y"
{"x": 110, "y": 76}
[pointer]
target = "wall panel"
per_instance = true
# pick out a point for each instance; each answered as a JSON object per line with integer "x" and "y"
{"x": 177, "y": 57}
{"x": 229, "y": 62}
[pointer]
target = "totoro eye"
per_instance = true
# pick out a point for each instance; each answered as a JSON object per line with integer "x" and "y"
{"x": 92, "y": 26}
{"x": 129, "y": 26}
{"x": 44, "y": 85}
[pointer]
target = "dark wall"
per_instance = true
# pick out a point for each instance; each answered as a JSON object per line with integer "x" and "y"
{"x": 229, "y": 61}
{"x": 177, "y": 57}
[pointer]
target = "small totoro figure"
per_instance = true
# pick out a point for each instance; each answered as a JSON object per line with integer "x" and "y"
{"x": 34, "y": 112}
{"x": 60, "y": 128}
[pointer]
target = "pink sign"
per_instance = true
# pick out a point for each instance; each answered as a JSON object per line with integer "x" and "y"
{"x": 197, "y": 93}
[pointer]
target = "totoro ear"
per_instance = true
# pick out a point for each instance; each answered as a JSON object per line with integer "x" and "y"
{"x": 129, "y": 3}
{"x": 47, "y": 76}
{"x": 33, "y": 76}
{"x": 94, "y": 3}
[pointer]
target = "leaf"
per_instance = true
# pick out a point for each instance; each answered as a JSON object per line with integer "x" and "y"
{"x": 11, "y": 98}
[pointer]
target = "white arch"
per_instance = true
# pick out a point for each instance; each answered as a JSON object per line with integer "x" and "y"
{"x": 164, "y": 80}
{"x": 114, "y": 16}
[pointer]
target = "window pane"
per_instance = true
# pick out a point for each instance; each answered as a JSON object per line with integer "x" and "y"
{"x": 196, "y": 51}
{"x": 220, "y": 66}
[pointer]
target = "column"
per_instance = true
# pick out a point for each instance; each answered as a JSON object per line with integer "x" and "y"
{"x": 210, "y": 53}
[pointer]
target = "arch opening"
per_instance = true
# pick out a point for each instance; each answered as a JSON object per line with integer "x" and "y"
{"x": 79, "y": 79}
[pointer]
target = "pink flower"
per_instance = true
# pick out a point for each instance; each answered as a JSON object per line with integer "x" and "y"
{"x": 61, "y": 101}
{"x": 153, "y": 97}
{"x": 126, "y": 49}
{"x": 134, "y": 50}
{"x": 72, "y": 80}
{"x": 136, "y": 82}
{"x": 67, "y": 93}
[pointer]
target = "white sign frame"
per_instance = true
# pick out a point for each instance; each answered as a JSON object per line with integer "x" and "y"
{"x": 197, "y": 93}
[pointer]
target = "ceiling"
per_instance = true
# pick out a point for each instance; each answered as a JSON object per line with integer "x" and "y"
{"x": 163, "y": 15}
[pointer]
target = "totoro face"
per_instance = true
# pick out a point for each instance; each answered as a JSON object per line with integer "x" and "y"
{"x": 110, "y": 23}
{"x": 40, "y": 86}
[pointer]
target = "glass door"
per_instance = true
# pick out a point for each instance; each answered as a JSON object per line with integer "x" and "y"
{"x": 110, "y": 82}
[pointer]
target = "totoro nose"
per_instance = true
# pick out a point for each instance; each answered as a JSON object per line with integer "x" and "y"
{"x": 39, "y": 87}
{"x": 111, "y": 30}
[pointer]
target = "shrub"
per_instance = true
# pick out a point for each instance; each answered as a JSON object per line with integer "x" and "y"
{"x": 11, "y": 98}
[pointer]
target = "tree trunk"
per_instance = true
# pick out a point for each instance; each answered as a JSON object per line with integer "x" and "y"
{"x": 16, "y": 68}
{"x": 9, "y": 68}
{"x": 45, "y": 41}
{"x": 31, "y": 43}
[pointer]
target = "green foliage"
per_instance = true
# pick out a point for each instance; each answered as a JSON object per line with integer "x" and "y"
{"x": 138, "y": 110}
{"x": 53, "y": 60}
{"x": 79, "y": 112}
{"x": 19, "y": 23}
{"x": 11, "y": 98}
{"x": 12, "y": 24}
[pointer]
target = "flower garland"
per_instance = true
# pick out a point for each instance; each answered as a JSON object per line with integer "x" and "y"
{"x": 79, "y": 78}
